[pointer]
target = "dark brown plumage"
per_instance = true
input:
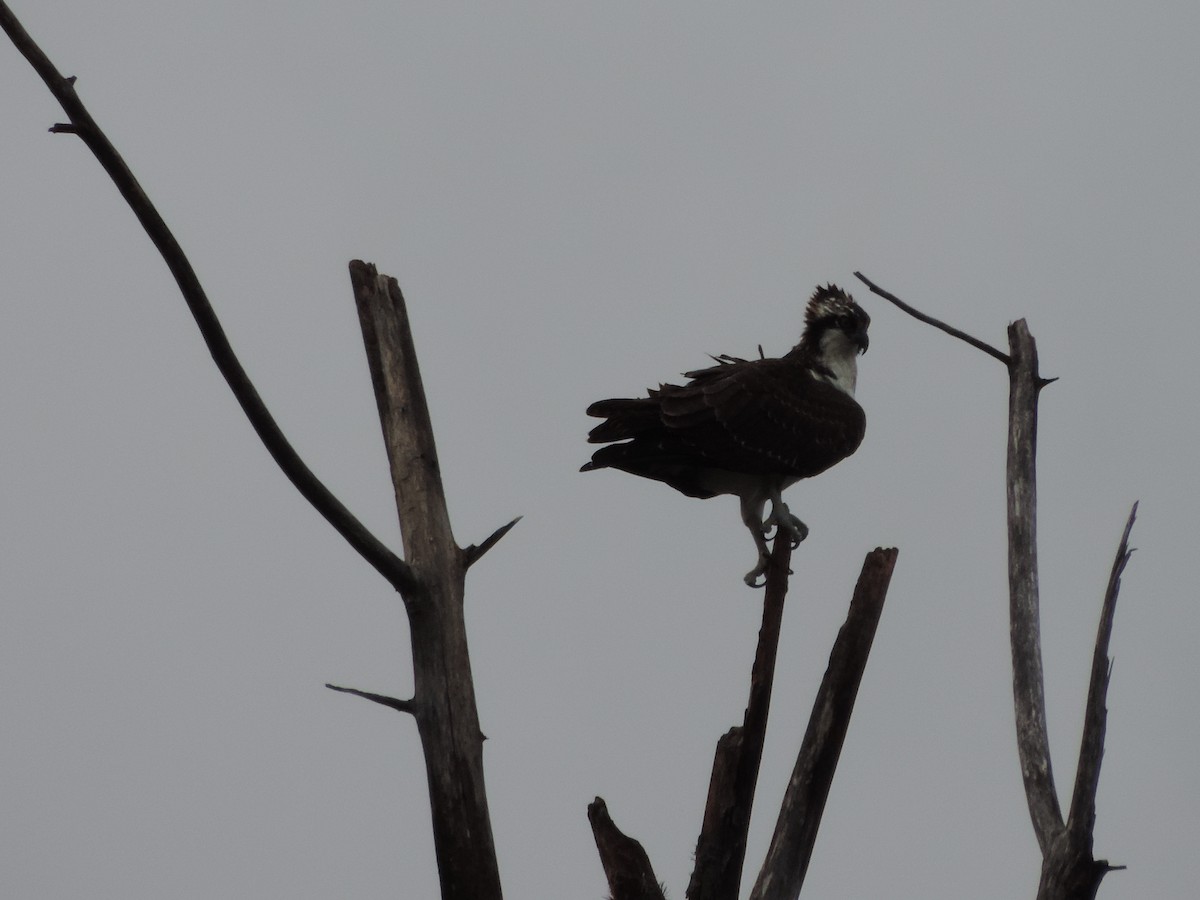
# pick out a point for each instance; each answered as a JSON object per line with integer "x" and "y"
{"x": 748, "y": 427}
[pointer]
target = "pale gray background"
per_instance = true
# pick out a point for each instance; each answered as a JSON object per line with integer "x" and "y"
{"x": 580, "y": 200}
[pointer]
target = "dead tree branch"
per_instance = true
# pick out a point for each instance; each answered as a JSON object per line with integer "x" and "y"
{"x": 721, "y": 848}
{"x": 930, "y": 320}
{"x": 1033, "y": 742}
{"x": 444, "y": 691}
{"x": 1069, "y": 871}
{"x": 472, "y": 552}
{"x": 626, "y": 865}
{"x": 382, "y": 699}
{"x": 791, "y": 847}
{"x": 310, "y": 487}
{"x": 430, "y": 580}
{"x": 1091, "y": 747}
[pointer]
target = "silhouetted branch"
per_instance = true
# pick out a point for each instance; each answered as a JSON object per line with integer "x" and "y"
{"x": 405, "y": 706}
{"x": 1033, "y": 743}
{"x": 443, "y": 691}
{"x": 721, "y": 848}
{"x": 626, "y": 865}
{"x": 930, "y": 320}
{"x": 374, "y": 551}
{"x": 1028, "y": 692}
{"x": 786, "y": 863}
{"x": 1069, "y": 871}
{"x": 472, "y": 553}
{"x": 1082, "y": 817}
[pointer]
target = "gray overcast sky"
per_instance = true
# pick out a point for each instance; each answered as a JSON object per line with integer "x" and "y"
{"x": 580, "y": 200}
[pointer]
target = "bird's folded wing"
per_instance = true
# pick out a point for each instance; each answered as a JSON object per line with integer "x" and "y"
{"x": 762, "y": 415}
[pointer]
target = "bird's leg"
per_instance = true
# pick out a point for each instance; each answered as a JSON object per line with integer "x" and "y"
{"x": 783, "y": 520}
{"x": 752, "y": 510}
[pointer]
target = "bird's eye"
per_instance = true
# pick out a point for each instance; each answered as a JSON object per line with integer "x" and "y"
{"x": 846, "y": 323}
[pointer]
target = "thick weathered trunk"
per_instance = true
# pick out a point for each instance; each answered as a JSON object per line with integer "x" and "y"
{"x": 443, "y": 700}
{"x": 1033, "y": 742}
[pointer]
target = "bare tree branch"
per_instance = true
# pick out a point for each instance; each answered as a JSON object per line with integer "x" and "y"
{"x": 786, "y": 863}
{"x": 626, "y": 865}
{"x": 1032, "y": 739}
{"x": 721, "y": 848}
{"x": 472, "y": 553}
{"x": 930, "y": 320}
{"x": 382, "y": 699}
{"x": 1033, "y": 742}
{"x": 1069, "y": 871}
{"x": 443, "y": 690}
{"x": 371, "y": 548}
{"x": 1082, "y": 818}
{"x": 404, "y": 416}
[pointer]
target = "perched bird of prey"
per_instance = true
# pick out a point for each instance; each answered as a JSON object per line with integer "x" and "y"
{"x": 749, "y": 427}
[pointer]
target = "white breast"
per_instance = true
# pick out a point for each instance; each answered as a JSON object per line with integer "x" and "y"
{"x": 840, "y": 356}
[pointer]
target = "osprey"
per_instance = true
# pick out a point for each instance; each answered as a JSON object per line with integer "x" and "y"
{"x": 749, "y": 427}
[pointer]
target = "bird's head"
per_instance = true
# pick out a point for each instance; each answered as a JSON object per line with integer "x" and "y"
{"x": 834, "y": 323}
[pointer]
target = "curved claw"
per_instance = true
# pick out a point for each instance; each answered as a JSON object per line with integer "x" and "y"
{"x": 753, "y": 575}
{"x": 793, "y": 526}
{"x": 758, "y": 571}
{"x": 780, "y": 521}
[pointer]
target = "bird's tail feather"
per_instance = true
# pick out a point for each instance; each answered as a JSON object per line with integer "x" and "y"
{"x": 626, "y": 419}
{"x": 637, "y": 459}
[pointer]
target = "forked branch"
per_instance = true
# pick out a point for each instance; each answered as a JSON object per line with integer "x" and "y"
{"x": 430, "y": 580}
{"x": 1069, "y": 871}
{"x": 720, "y": 852}
{"x": 791, "y": 847}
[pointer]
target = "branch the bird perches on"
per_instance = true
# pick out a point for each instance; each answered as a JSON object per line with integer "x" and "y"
{"x": 720, "y": 850}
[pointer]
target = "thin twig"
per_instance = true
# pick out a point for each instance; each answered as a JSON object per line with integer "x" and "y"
{"x": 930, "y": 320}
{"x": 406, "y": 706}
{"x": 387, "y": 563}
{"x": 472, "y": 553}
